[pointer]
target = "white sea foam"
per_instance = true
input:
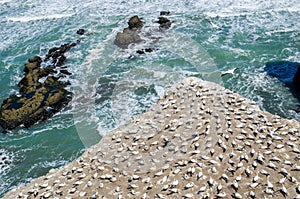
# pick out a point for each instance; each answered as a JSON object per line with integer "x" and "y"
{"x": 6, "y": 159}
{"x": 4, "y": 1}
{"x": 35, "y": 18}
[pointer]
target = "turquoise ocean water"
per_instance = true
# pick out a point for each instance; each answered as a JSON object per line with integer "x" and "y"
{"x": 109, "y": 87}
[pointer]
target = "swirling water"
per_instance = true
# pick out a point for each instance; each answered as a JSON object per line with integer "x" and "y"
{"x": 111, "y": 85}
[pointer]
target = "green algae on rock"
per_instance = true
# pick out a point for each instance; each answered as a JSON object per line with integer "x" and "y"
{"x": 41, "y": 93}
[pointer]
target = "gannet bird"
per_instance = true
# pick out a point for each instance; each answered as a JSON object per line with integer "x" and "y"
{"x": 231, "y": 71}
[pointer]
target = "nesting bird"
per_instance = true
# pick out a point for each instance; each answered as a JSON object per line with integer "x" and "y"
{"x": 219, "y": 145}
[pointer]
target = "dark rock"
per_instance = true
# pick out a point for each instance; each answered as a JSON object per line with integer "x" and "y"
{"x": 51, "y": 51}
{"x": 164, "y": 13}
{"x": 135, "y": 22}
{"x": 149, "y": 50}
{"x": 57, "y": 54}
{"x": 162, "y": 20}
{"x": 164, "y": 23}
{"x": 296, "y": 79}
{"x": 66, "y": 72}
{"x": 283, "y": 70}
{"x": 297, "y": 109}
{"x": 295, "y": 87}
{"x": 146, "y": 50}
{"x": 140, "y": 52}
{"x": 7, "y": 162}
{"x": 80, "y": 31}
{"x": 60, "y": 61}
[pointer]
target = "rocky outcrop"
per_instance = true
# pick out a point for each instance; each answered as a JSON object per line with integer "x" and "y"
{"x": 41, "y": 92}
{"x": 130, "y": 35}
{"x": 135, "y": 23}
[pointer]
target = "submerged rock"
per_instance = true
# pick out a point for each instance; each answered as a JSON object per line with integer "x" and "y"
{"x": 297, "y": 109}
{"x": 105, "y": 89}
{"x": 41, "y": 93}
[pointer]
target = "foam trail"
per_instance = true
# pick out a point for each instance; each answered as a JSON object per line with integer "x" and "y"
{"x": 35, "y": 18}
{"x": 84, "y": 94}
{"x": 4, "y": 1}
{"x": 193, "y": 53}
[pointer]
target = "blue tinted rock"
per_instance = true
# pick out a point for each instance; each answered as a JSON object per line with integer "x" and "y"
{"x": 283, "y": 70}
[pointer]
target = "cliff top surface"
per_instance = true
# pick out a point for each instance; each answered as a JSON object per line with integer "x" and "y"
{"x": 199, "y": 141}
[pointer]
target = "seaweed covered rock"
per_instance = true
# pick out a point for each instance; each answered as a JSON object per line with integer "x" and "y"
{"x": 41, "y": 92}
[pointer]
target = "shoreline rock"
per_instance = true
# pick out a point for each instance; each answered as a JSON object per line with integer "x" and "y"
{"x": 199, "y": 141}
{"x": 41, "y": 93}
